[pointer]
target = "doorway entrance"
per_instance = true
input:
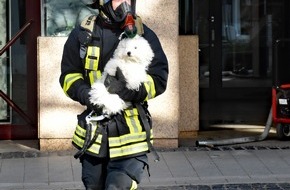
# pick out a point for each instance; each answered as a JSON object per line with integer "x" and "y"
{"x": 18, "y": 69}
{"x": 236, "y": 56}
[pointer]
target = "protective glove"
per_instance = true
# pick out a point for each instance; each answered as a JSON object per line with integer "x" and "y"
{"x": 117, "y": 85}
{"x": 133, "y": 95}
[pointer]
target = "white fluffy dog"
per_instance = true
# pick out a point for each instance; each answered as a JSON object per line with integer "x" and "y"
{"x": 132, "y": 56}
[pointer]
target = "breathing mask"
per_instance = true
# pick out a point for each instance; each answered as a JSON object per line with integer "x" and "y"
{"x": 118, "y": 12}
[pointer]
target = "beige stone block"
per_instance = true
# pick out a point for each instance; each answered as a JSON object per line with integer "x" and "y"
{"x": 56, "y": 144}
{"x": 164, "y": 109}
{"x": 188, "y": 85}
{"x": 187, "y": 134}
{"x": 57, "y": 112}
{"x": 165, "y": 143}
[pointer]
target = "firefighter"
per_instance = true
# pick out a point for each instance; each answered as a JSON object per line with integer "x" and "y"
{"x": 112, "y": 150}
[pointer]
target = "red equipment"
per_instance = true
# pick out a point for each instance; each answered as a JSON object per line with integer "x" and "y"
{"x": 281, "y": 89}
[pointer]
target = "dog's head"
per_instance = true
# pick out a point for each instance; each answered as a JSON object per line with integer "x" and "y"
{"x": 135, "y": 50}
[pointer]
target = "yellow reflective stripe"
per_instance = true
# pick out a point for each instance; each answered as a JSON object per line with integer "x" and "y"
{"x": 128, "y": 150}
{"x": 134, "y": 185}
{"x": 70, "y": 79}
{"x": 150, "y": 88}
{"x": 82, "y": 133}
{"x": 78, "y": 141}
{"x": 131, "y": 112}
{"x": 95, "y": 148}
{"x": 92, "y": 58}
{"x": 92, "y": 63}
{"x": 132, "y": 120}
{"x": 127, "y": 139}
{"x": 94, "y": 76}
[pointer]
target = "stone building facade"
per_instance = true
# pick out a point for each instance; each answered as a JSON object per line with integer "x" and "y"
{"x": 175, "y": 113}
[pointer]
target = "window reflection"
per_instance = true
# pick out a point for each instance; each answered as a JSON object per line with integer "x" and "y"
{"x": 60, "y": 17}
{"x": 247, "y": 30}
{"x": 247, "y": 38}
{"x": 238, "y": 19}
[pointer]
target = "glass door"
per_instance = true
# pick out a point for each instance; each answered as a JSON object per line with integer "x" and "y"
{"x": 236, "y": 40}
{"x": 247, "y": 38}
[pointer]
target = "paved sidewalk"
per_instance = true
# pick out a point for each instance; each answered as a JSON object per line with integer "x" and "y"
{"x": 238, "y": 167}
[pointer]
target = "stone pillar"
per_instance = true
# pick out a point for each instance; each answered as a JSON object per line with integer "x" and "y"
{"x": 188, "y": 85}
{"x": 162, "y": 17}
{"x": 57, "y": 113}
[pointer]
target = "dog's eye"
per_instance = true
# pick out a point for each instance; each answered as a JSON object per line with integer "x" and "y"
{"x": 135, "y": 47}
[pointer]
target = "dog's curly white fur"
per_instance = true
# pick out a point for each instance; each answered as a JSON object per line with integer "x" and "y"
{"x": 132, "y": 56}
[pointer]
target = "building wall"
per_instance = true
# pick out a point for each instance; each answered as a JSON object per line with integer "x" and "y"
{"x": 188, "y": 86}
{"x": 57, "y": 113}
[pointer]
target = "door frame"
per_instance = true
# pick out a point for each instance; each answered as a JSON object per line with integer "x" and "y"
{"x": 25, "y": 130}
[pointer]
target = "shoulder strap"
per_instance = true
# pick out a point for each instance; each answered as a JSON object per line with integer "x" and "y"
{"x": 147, "y": 128}
{"x": 85, "y": 36}
{"x": 88, "y": 23}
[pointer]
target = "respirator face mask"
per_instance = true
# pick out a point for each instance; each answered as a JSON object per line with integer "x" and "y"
{"x": 124, "y": 14}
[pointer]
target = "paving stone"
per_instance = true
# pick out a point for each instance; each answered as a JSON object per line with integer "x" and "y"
{"x": 190, "y": 168}
{"x": 254, "y": 186}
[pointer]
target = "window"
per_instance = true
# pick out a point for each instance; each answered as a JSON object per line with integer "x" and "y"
{"x": 3, "y": 60}
{"x": 60, "y": 17}
{"x": 186, "y": 17}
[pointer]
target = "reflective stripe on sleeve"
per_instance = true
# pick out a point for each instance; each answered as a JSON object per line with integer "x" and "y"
{"x": 150, "y": 88}
{"x": 70, "y": 79}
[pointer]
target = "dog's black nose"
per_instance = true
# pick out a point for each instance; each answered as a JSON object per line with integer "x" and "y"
{"x": 129, "y": 53}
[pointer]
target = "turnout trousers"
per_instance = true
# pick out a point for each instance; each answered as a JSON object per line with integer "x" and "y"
{"x": 104, "y": 174}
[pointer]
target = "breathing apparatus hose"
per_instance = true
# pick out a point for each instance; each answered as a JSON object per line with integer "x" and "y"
{"x": 212, "y": 143}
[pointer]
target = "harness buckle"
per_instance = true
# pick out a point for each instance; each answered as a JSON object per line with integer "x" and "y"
{"x": 91, "y": 117}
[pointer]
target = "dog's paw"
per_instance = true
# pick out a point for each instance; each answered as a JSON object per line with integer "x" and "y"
{"x": 133, "y": 85}
{"x": 97, "y": 93}
{"x": 113, "y": 104}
